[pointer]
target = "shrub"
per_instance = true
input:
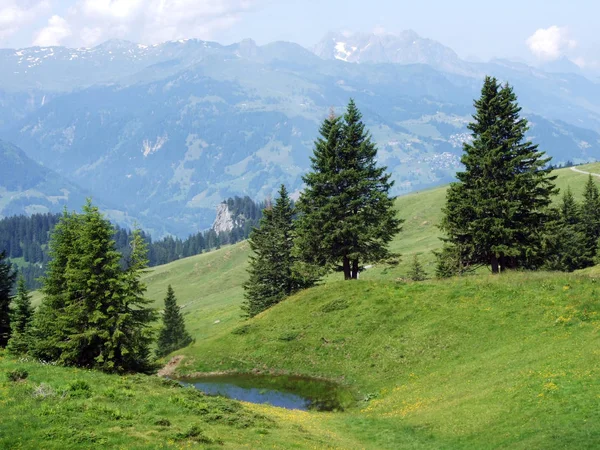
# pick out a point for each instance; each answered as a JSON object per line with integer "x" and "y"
{"x": 195, "y": 433}
{"x": 17, "y": 375}
{"x": 79, "y": 388}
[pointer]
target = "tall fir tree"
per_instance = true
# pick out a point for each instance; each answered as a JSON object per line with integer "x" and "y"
{"x": 590, "y": 215}
{"x": 7, "y": 281}
{"x": 130, "y": 319}
{"x": 93, "y": 314}
{"x": 496, "y": 213}
{"x": 173, "y": 335}
{"x": 346, "y": 208}
{"x": 22, "y": 315}
{"x": 275, "y": 272}
{"x": 48, "y": 330}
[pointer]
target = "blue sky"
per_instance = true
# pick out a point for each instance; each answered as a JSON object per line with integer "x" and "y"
{"x": 531, "y": 30}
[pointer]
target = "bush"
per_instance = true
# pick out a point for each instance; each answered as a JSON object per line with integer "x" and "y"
{"x": 163, "y": 423}
{"x": 17, "y": 375}
{"x": 79, "y": 388}
{"x": 195, "y": 433}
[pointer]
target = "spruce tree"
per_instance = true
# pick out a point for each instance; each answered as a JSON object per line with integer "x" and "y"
{"x": 417, "y": 273}
{"x": 496, "y": 213}
{"x": 93, "y": 313}
{"x": 566, "y": 242}
{"x": 173, "y": 335}
{"x": 128, "y": 346}
{"x": 345, "y": 208}
{"x": 22, "y": 316}
{"x": 7, "y": 281}
{"x": 274, "y": 269}
{"x": 590, "y": 215}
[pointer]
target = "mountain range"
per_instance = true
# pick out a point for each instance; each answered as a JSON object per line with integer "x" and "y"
{"x": 164, "y": 133}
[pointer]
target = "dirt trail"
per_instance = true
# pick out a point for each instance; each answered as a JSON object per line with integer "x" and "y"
{"x": 575, "y": 169}
{"x": 169, "y": 369}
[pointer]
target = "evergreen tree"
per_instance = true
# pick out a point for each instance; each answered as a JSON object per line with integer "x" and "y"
{"x": 566, "y": 244}
{"x": 22, "y": 315}
{"x": 347, "y": 217}
{"x": 496, "y": 213}
{"x": 93, "y": 312}
{"x": 274, "y": 268}
{"x": 128, "y": 346}
{"x": 590, "y": 215}
{"x": 173, "y": 335}
{"x": 417, "y": 273}
{"x": 7, "y": 281}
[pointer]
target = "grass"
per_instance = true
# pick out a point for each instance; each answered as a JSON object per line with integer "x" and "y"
{"x": 477, "y": 362}
{"x": 66, "y": 408}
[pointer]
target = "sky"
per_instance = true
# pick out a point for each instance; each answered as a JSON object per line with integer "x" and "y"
{"x": 534, "y": 31}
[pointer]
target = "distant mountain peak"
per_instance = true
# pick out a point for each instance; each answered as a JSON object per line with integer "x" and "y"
{"x": 116, "y": 44}
{"x": 404, "y": 47}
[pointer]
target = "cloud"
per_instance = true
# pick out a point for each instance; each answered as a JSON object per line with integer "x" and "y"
{"x": 14, "y": 14}
{"x": 57, "y": 30}
{"x": 552, "y": 43}
{"x": 89, "y": 22}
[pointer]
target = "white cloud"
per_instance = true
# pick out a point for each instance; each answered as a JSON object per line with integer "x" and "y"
{"x": 15, "y": 14}
{"x": 549, "y": 44}
{"x": 89, "y": 22}
{"x": 54, "y": 33}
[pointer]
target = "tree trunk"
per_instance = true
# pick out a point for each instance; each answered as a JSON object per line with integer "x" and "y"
{"x": 355, "y": 269}
{"x": 347, "y": 274}
{"x": 495, "y": 267}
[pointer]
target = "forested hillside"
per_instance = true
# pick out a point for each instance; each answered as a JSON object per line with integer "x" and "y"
{"x": 25, "y": 239}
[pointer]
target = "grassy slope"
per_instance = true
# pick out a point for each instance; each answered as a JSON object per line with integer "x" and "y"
{"x": 479, "y": 359}
{"x": 467, "y": 363}
{"x": 130, "y": 412}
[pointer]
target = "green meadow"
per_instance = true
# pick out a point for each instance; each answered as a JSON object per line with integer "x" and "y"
{"x": 480, "y": 361}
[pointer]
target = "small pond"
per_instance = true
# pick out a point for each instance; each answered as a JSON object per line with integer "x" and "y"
{"x": 291, "y": 392}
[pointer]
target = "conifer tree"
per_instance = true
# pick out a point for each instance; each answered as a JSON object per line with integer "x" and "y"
{"x": 173, "y": 335}
{"x": 22, "y": 316}
{"x": 496, "y": 212}
{"x": 566, "y": 242}
{"x": 130, "y": 320}
{"x": 346, "y": 208}
{"x": 417, "y": 273}
{"x": 274, "y": 269}
{"x": 93, "y": 313}
{"x": 590, "y": 216}
{"x": 7, "y": 281}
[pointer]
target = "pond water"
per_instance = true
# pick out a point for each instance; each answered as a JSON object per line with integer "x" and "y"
{"x": 289, "y": 392}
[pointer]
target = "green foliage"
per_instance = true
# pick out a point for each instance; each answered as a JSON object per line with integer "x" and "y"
{"x": 7, "y": 280}
{"x": 497, "y": 211}
{"x": 22, "y": 316}
{"x": 590, "y": 215}
{"x": 565, "y": 242}
{"x": 79, "y": 388}
{"x": 347, "y": 216}
{"x": 17, "y": 375}
{"x": 173, "y": 335}
{"x": 273, "y": 269}
{"x": 417, "y": 272}
{"x": 94, "y": 313}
